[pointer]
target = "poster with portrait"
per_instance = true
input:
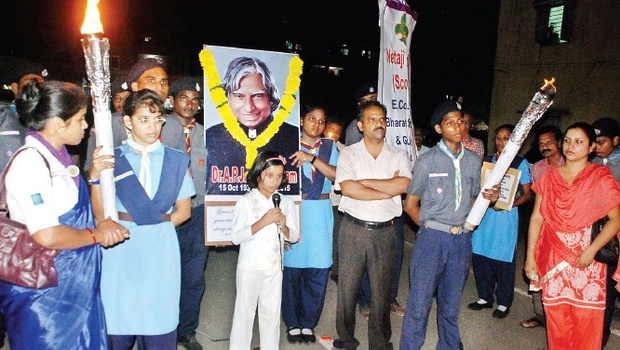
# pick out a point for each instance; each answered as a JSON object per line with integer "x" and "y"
{"x": 250, "y": 105}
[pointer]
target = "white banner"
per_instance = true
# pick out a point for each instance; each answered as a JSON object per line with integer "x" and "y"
{"x": 397, "y": 21}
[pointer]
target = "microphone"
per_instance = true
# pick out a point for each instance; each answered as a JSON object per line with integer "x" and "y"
{"x": 276, "y": 203}
{"x": 276, "y": 200}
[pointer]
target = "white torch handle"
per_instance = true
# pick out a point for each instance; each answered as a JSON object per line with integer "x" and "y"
{"x": 103, "y": 127}
{"x": 541, "y": 101}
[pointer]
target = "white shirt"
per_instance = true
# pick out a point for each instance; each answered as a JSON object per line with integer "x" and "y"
{"x": 263, "y": 250}
{"x": 32, "y": 197}
{"x": 355, "y": 163}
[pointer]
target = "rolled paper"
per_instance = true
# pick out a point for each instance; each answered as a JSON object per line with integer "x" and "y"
{"x": 97, "y": 57}
{"x": 541, "y": 101}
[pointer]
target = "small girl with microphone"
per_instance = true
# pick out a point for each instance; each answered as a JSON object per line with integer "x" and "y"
{"x": 262, "y": 221}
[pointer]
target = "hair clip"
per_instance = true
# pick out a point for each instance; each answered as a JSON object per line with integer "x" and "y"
{"x": 280, "y": 158}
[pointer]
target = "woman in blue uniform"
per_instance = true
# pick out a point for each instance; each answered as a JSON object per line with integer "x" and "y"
{"x": 307, "y": 263}
{"x": 140, "y": 284}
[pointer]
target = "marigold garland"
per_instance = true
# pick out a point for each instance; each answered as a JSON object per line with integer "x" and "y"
{"x": 218, "y": 95}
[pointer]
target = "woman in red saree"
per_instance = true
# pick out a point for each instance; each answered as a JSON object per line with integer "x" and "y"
{"x": 560, "y": 256}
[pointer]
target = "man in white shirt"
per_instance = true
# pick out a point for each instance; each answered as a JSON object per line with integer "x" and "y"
{"x": 372, "y": 175}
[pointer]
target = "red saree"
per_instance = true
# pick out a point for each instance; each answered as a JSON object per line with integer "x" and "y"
{"x": 574, "y": 298}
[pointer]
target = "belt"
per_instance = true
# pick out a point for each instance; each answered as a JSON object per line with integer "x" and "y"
{"x": 323, "y": 196}
{"x": 369, "y": 225}
{"x": 455, "y": 230}
{"x": 126, "y": 217}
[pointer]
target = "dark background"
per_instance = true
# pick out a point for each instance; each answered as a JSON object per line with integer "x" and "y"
{"x": 452, "y": 49}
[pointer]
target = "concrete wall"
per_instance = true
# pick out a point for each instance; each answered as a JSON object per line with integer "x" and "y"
{"x": 586, "y": 70}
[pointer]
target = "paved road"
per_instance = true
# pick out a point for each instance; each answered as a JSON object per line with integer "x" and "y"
{"x": 479, "y": 330}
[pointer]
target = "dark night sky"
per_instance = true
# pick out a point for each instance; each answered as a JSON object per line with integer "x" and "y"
{"x": 452, "y": 50}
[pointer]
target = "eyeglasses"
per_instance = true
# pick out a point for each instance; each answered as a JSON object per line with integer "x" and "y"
{"x": 144, "y": 120}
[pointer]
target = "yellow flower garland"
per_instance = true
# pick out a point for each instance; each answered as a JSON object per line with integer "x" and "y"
{"x": 218, "y": 95}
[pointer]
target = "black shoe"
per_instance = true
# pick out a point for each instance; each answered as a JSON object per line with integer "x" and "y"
{"x": 501, "y": 314}
{"x": 338, "y": 344}
{"x": 189, "y": 342}
{"x": 476, "y": 306}
{"x": 296, "y": 337}
{"x": 308, "y": 335}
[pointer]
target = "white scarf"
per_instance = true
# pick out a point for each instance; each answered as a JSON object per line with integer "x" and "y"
{"x": 145, "y": 162}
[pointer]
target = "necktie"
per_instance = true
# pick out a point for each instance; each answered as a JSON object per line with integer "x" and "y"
{"x": 314, "y": 150}
{"x": 186, "y": 129}
{"x": 456, "y": 161}
{"x": 145, "y": 162}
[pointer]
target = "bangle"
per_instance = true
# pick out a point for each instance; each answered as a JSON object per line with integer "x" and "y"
{"x": 313, "y": 159}
{"x": 92, "y": 234}
{"x": 94, "y": 182}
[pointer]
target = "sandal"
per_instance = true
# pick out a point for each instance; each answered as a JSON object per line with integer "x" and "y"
{"x": 532, "y": 323}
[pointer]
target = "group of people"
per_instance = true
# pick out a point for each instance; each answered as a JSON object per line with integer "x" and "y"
{"x": 578, "y": 293}
{"x": 564, "y": 295}
{"x": 149, "y": 279}
{"x": 145, "y": 287}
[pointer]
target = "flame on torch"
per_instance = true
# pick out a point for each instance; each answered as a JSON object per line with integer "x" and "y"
{"x": 549, "y": 88}
{"x": 92, "y": 22}
{"x": 547, "y": 83}
{"x": 97, "y": 58}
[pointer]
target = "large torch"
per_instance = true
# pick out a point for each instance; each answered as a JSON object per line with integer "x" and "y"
{"x": 97, "y": 56}
{"x": 541, "y": 101}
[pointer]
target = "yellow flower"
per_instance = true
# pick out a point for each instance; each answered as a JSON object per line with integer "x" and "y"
{"x": 218, "y": 96}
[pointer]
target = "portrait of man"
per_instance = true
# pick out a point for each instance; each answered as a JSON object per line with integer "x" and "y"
{"x": 254, "y": 98}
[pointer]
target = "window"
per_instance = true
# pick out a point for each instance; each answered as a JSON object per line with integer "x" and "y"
{"x": 554, "y": 30}
{"x": 554, "y": 21}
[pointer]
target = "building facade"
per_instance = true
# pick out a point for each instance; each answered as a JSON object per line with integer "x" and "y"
{"x": 577, "y": 42}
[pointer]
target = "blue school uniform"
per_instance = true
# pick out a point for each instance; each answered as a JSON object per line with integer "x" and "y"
{"x": 140, "y": 284}
{"x": 307, "y": 263}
